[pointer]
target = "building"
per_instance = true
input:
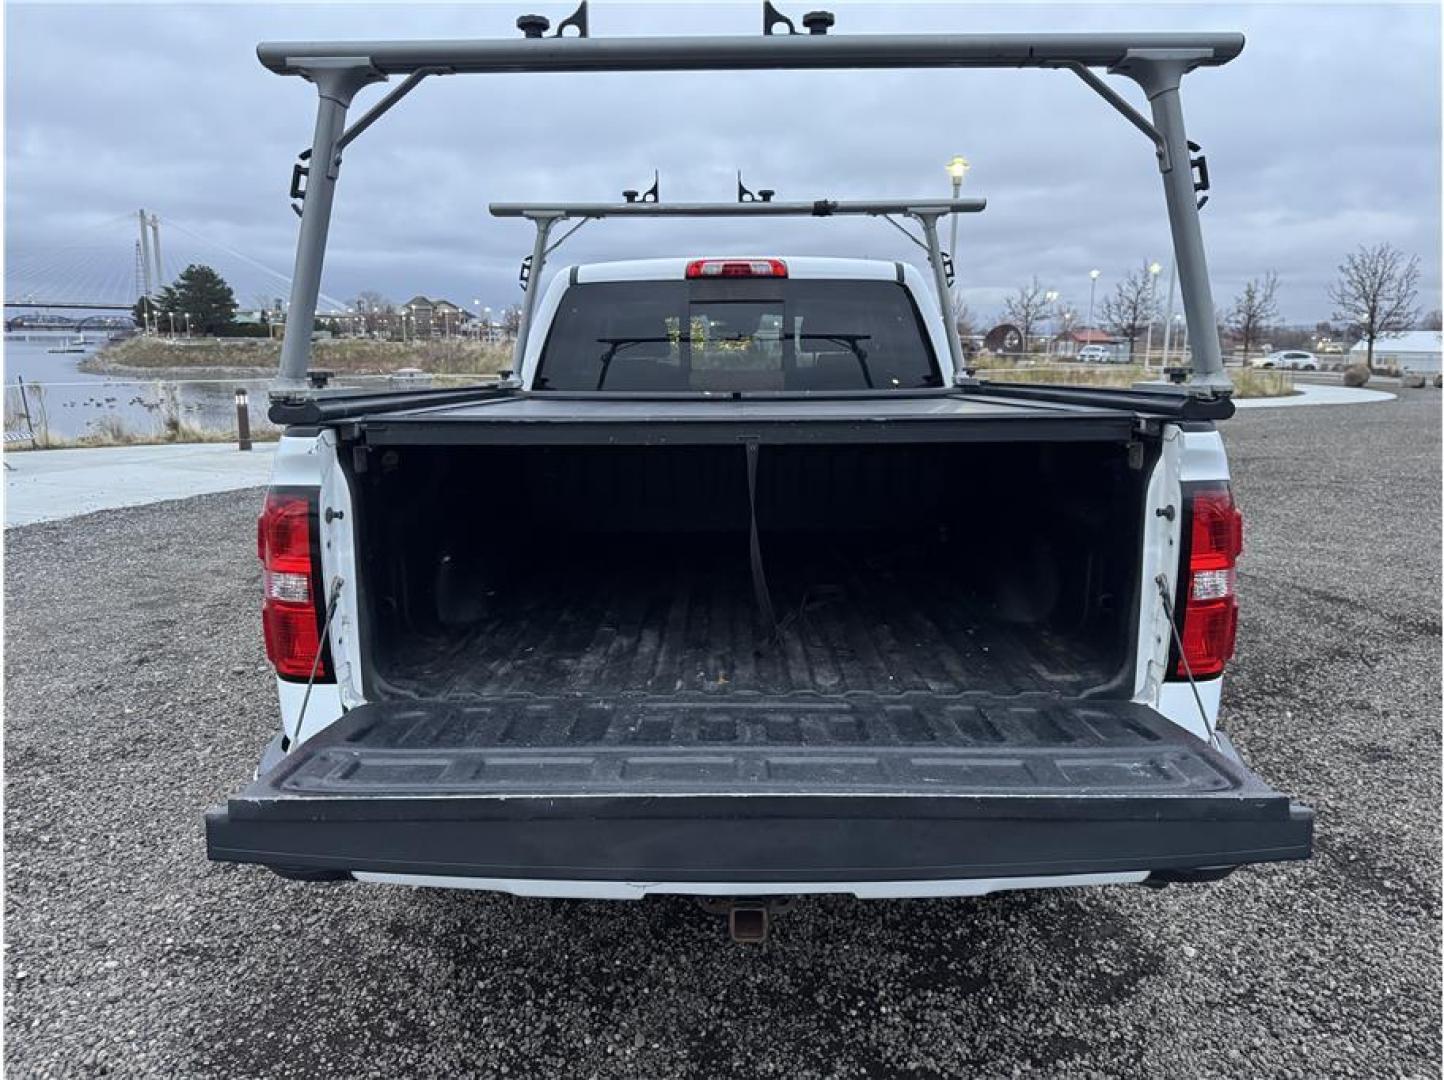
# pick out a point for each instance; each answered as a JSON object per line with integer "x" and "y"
{"x": 434, "y": 318}
{"x": 1413, "y": 350}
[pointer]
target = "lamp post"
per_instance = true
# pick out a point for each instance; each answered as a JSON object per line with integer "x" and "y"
{"x": 957, "y": 169}
{"x": 188, "y": 324}
{"x": 1050, "y": 298}
{"x": 243, "y": 419}
{"x": 1168, "y": 314}
{"x": 1092, "y": 290}
{"x": 1153, "y": 269}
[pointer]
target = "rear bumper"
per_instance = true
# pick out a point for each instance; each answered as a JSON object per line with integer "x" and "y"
{"x": 700, "y": 839}
{"x": 862, "y": 789}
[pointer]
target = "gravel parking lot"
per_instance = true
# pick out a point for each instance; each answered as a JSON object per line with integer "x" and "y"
{"x": 137, "y": 694}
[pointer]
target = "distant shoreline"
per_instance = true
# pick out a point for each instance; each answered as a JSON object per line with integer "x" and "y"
{"x": 163, "y": 359}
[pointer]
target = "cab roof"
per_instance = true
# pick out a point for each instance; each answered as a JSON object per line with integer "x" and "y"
{"x": 798, "y": 266}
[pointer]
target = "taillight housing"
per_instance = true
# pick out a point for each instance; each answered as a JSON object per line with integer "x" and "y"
{"x": 1207, "y": 607}
{"x": 736, "y": 268}
{"x": 294, "y": 606}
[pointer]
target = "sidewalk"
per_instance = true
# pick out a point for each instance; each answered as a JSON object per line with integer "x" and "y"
{"x": 47, "y": 485}
{"x": 1318, "y": 394}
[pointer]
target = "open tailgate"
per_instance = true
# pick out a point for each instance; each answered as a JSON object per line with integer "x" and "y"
{"x": 795, "y": 788}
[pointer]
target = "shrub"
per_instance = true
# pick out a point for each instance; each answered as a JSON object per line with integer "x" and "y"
{"x": 1357, "y": 375}
{"x": 243, "y": 330}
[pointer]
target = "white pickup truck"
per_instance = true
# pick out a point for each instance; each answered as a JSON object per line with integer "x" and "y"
{"x": 740, "y": 590}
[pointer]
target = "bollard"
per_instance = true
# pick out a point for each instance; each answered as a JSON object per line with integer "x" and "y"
{"x": 243, "y": 418}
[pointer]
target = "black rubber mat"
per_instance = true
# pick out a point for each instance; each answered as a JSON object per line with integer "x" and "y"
{"x": 676, "y": 625}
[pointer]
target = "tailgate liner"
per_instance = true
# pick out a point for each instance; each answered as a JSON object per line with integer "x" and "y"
{"x": 757, "y": 788}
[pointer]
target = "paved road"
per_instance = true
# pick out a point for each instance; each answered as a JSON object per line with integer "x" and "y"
{"x": 137, "y": 695}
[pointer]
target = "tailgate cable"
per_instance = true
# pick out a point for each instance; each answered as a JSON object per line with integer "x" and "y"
{"x": 760, "y": 591}
{"x": 1208, "y": 726}
{"x": 336, "y": 584}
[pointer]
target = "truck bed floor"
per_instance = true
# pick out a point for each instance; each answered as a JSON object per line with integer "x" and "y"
{"x": 885, "y": 624}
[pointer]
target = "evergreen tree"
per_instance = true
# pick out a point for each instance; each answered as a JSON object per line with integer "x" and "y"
{"x": 204, "y": 295}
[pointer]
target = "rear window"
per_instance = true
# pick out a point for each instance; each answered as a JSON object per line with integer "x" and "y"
{"x": 737, "y": 335}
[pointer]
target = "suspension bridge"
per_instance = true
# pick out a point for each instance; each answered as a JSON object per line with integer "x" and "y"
{"x": 122, "y": 259}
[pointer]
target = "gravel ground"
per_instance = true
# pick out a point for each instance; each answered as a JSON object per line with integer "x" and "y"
{"x": 138, "y": 695}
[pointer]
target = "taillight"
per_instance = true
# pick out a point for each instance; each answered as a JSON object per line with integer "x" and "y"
{"x": 732, "y": 268}
{"x": 1210, "y": 609}
{"x": 293, "y": 606}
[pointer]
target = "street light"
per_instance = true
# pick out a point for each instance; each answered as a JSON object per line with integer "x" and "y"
{"x": 1153, "y": 270}
{"x": 1168, "y": 312}
{"x": 188, "y": 324}
{"x": 957, "y": 169}
{"x": 1050, "y": 298}
{"x": 1092, "y": 290}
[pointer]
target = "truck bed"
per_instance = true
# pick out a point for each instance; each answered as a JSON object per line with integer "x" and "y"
{"x": 884, "y": 624}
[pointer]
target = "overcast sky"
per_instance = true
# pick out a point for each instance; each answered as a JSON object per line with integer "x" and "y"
{"x": 1323, "y": 135}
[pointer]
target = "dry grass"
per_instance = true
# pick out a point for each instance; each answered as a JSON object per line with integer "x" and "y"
{"x": 1247, "y": 382}
{"x": 111, "y": 431}
{"x": 344, "y": 356}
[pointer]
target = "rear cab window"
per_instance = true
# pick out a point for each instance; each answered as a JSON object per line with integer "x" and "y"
{"x": 762, "y": 334}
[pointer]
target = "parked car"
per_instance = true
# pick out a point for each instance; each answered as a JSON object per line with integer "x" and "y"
{"x": 1095, "y": 354}
{"x": 765, "y": 605}
{"x": 1289, "y": 359}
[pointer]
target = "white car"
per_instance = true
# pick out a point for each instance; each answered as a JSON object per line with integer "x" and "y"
{"x": 1095, "y": 354}
{"x": 1289, "y": 359}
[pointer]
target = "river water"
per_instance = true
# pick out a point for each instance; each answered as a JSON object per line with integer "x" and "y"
{"x": 69, "y": 403}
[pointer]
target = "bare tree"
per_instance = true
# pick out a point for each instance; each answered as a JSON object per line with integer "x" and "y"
{"x": 1027, "y": 308}
{"x": 374, "y": 308}
{"x": 511, "y": 319}
{"x": 1132, "y": 307}
{"x": 1375, "y": 292}
{"x": 962, "y": 316}
{"x": 1254, "y": 309}
{"x": 1434, "y": 320}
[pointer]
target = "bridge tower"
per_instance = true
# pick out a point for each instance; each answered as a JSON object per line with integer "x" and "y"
{"x": 155, "y": 252}
{"x": 145, "y": 253}
{"x": 140, "y": 276}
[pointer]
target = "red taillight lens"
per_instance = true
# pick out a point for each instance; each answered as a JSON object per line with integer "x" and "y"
{"x": 1210, "y": 610}
{"x": 732, "y": 268}
{"x": 291, "y": 611}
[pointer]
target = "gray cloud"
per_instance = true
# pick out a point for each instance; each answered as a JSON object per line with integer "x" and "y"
{"x": 1323, "y": 135}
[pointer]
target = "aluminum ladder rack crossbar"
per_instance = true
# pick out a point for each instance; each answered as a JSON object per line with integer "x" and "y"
{"x": 924, "y": 211}
{"x": 818, "y": 208}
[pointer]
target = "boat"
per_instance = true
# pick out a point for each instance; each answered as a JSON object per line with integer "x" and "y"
{"x": 77, "y": 344}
